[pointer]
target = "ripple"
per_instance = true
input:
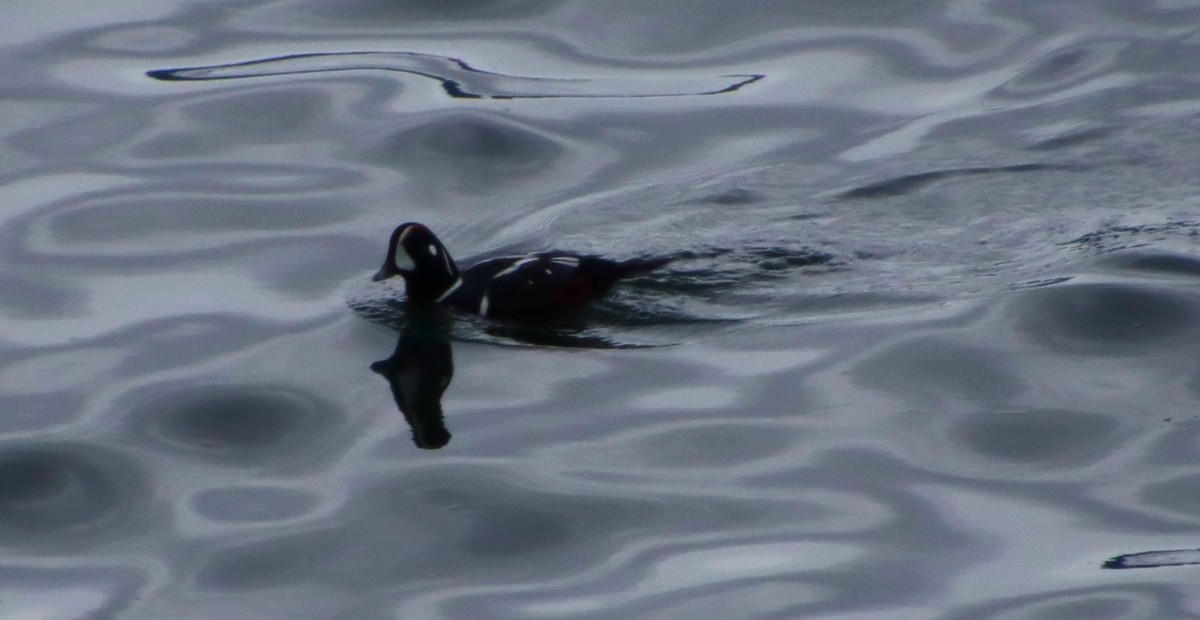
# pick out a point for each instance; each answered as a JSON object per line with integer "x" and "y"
{"x": 1180, "y": 495}
{"x": 728, "y": 576}
{"x": 266, "y": 115}
{"x": 1063, "y": 68}
{"x": 307, "y": 268}
{"x": 31, "y": 297}
{"x": 48, "y": 371}
{"x": 1124, "y": 237}
{"x": 681, "y": 28}
{"x": 142, "y": 227}
{"x": 1107, "y": 319}
{"x": 253, "y": 504}
{"x": 471, "y": 152}
{"x": 1075, "y": 136}
{"x": 145, "y": 347}
{"x": 158, "y": 222}
{"x": 1180, "y": 446}
{"x": 1109, "y": 602}
{"x": 59, "y": 590}
{"x": 383, "y": 13}
{"x": 697, "y": 397}
{"x": 714, "y": 445}
{"x": 20, "y": 413}
{"x": 1043, "y": 438}
{"x": 69, "y": 495}
{"x": 1157, "y": 263}
{"x": 146, "y": 40}
{"x": 729, "y": 448}
{"x": 83, "y": 136}
{"x": 736, "y": 196}
{"x": 482, "y": 523}
{"x": 238, "y": 425}
{"x": 909, "y": 183}
{"x": 181, "y": 341}
{"x": 273, "y": 563}
{"x": 929, "y": 371}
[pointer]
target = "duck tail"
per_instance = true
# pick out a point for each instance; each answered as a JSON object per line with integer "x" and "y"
{"x": 604, "y": 273}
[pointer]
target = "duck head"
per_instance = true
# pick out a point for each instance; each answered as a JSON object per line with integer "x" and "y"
{"x": 417, "y": 255}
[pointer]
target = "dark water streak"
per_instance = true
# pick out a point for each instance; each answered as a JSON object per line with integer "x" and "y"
{"x": 473, "y": 83}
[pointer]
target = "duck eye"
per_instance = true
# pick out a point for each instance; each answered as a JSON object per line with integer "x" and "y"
{"x": 433, "y": 250}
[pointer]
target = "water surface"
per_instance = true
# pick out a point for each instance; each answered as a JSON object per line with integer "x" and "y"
{"x": 926, "y": 349}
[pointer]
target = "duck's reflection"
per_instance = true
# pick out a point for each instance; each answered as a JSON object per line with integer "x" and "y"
{"x": 419, "y": 371}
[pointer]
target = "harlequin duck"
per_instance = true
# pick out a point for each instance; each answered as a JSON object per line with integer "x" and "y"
{"x": 514, "y": 287}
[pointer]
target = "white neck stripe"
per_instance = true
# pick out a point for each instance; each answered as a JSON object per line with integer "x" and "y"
{"x": 453, "y": 287}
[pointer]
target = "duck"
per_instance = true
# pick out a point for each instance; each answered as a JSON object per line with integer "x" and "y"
{"x": 529, "y": 287}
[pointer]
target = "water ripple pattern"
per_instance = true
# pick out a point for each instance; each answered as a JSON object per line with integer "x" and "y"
{"x": 926, "y": 347}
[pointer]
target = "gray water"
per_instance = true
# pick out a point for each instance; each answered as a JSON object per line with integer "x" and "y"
{"x": 926, "y": 349}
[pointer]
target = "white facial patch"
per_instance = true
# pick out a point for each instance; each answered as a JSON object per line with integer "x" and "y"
{"x": 432, "y": 250}
{"x": 402, "y": 260}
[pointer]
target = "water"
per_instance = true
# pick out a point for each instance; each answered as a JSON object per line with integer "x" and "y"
{"x": 926, "y": 349}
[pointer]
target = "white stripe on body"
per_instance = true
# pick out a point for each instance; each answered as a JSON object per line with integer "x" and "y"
{"x": 517, "y": 265}
{"x": 453, "y": 287}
